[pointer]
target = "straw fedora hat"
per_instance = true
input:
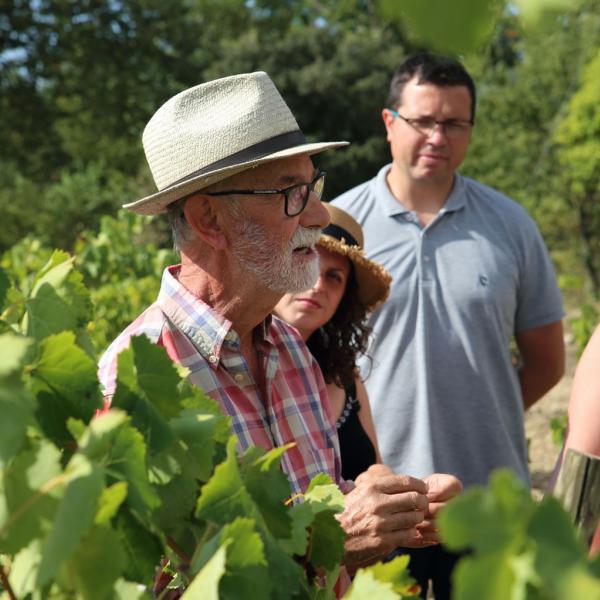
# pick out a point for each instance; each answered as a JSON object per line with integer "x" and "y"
{"x": 215, "y": 130}
{"x": 344, "y": 236}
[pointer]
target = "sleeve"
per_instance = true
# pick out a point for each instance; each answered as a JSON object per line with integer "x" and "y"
{"x": 539, "y": 301}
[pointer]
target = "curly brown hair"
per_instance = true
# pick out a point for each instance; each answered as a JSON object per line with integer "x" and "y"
{"x": 337, "y": 344}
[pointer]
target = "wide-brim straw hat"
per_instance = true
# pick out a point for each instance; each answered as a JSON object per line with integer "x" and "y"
{"x": 344, "y": 236}
{"x": 215, "y": 130}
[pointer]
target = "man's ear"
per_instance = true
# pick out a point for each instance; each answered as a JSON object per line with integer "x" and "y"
{"x": 388, "y": 119}
{"x": 204, "y": 218}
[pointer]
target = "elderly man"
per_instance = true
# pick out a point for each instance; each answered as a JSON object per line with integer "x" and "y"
{"x": 242, "y": 195}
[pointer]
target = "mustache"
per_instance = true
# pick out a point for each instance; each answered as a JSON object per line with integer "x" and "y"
{"x": 305, "y": 237}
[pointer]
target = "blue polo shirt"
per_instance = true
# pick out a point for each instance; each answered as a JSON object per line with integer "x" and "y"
{"x": 443, "y": 387}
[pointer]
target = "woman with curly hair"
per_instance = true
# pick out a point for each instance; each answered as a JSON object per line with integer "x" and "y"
{"x": 331, "y": 318}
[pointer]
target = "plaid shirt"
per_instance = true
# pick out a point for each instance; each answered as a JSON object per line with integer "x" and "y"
{"x": 296, "y": 408}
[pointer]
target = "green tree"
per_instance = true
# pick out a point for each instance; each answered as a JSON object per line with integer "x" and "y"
{"x": 95, "y": 71}
{"x": 522, "y": 100}
{"x": 578, "y": 140}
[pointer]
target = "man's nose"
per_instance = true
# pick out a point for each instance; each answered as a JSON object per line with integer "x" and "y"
{"x": 437, "y": 135}
{"x": 315, "y": 215}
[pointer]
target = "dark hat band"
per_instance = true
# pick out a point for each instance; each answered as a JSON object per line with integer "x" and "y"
{"x": 291, "y": 139}
{"x": 339, "y": 233}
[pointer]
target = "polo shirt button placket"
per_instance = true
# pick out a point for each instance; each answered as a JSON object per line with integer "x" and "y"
{"x": 425, "y": 266}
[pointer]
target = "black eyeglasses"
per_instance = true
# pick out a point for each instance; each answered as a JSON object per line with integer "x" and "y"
{"x": 296, "y": 196}
{"x": 452, "y": 128}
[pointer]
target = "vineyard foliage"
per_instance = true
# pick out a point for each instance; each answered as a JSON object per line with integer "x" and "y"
{"x": 92, "y": 500}
{"x": 516, "y": 547}
{"x": 121, "y": 267}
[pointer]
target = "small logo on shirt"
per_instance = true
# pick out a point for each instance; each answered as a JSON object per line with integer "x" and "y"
{"x": 483, "y": 280}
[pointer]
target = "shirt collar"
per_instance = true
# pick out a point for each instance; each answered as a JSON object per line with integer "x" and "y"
{"x": 392, "y": 207}
{"x": 209, "y": 331}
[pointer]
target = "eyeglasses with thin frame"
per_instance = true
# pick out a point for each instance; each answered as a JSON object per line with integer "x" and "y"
{"x": 296, "y": 196}
{"x": 452, "y": 128}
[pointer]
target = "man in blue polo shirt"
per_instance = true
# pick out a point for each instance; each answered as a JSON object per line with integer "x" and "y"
{"x": 470, "y": 272}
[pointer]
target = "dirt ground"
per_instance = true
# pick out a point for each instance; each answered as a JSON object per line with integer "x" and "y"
{"x": 542, "y": 450}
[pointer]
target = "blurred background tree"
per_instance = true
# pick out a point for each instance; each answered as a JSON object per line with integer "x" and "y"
{"x": 79, "y": 80}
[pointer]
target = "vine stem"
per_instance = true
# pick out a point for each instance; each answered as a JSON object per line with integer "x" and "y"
{"x": 6, "y": 584}
{"x": 178, "y": 551}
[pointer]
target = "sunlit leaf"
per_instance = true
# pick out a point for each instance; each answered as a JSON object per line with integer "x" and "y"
{"x": 365, "y": 585}
{"x": 97, "y": 564}
{"x": 110, "y": 500}
{"x": 225, "y": 497}
{"x": 74, "y": 518}
{"x": 487, "y": 519}
{"x": 206, "y": 583}
{"x": 24, "y": 569}
{"x": 396, "y": 572}
{"x": 29, "y": 490}
{"x": 452, "y": 27}
{"x": 269, "y": 487}
{"x": 13, "y": 352}
{"x": 16, "y": 408}
{"x": 121, "y": 448}
{"x": 132, "y": 398}
{"x": 247, "y": 573}
{"x": 70, "y": 373}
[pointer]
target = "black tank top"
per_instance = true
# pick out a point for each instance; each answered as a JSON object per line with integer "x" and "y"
{"x": 357, "y": 451}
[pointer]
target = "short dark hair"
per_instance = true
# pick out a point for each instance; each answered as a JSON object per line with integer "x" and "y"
{"x": 430, "y": 68}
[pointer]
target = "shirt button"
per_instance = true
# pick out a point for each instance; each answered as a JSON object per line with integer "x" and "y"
{"x": 212, "y": 359}
{"x": 426, "y": 258}
{"x": 239, "y": 377}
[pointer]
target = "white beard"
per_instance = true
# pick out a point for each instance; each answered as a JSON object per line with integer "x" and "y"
{"x": 260, "y": 255}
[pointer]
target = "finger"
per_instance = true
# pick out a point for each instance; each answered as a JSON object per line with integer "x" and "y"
{"x": 413, "y": 538}
{"x": 442, "y": 487}
{"x": 430, "y": 537}
{"x": 402, "y": 520}
{"x": 394, "y": 484}
{"x": 434, "y": 509}
{"x": 401, "y": 503}
{"x": 374, "y": 472}
{"x": 427, "y": 526}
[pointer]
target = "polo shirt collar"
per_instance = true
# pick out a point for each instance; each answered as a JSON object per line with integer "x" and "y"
{"x": 391, "y": 207}
{"x": 209, "y": 331}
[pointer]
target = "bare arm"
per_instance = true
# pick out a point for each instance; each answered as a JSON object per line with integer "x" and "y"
{"x": 365, "y": 416}
{"x": 584, "y": 403}
{"x": 543, "y": 355}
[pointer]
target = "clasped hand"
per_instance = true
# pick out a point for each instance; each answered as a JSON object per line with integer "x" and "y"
{"x": 386, "y": 511}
